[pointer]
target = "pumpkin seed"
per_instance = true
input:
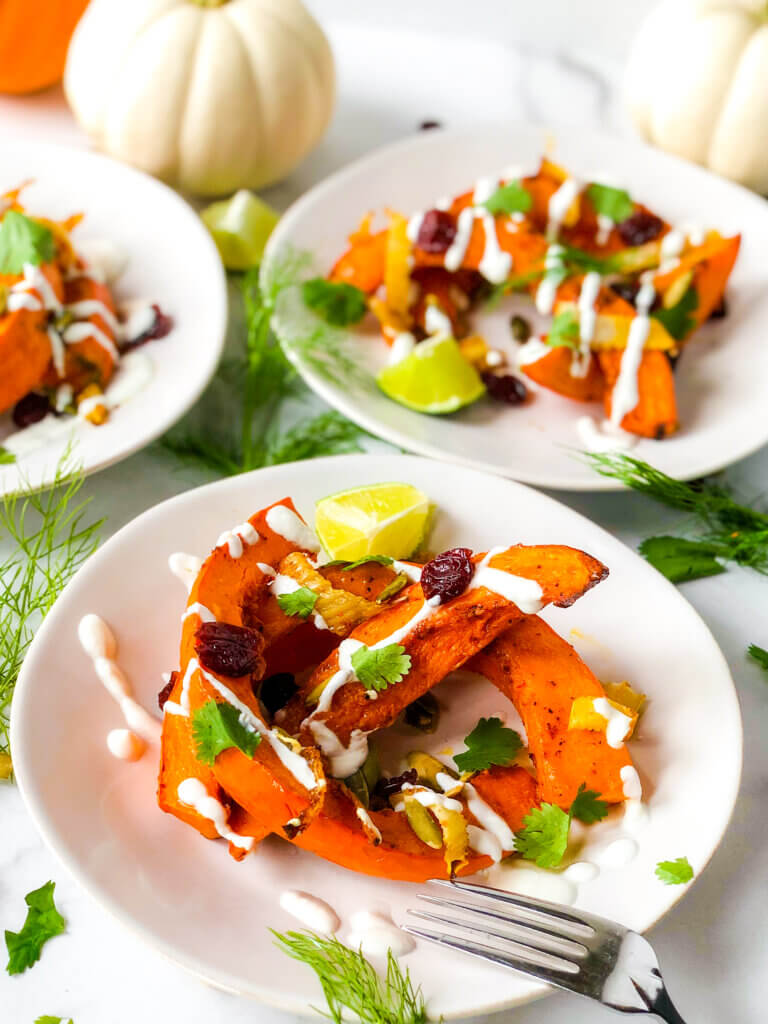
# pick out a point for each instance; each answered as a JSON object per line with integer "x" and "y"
{"x": 422, "y": 823}
{"x": 428, "y": 768}
{"x": 677, "y": 290}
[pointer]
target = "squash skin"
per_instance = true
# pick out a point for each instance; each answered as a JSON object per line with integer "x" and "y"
{"x": 34, "y": 36}
{"x": 655, "y": 414}
{"x": 542, "y": 674}
{"x": 25, "y": 348}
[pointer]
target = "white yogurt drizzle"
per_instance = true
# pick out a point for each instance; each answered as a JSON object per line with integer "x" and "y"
{"x": 484, "y": 843}
{"x": 287, "y": 524}
{"x": 626, "y": 390}
{"x": 525, "y": 593}
{"x": 292, "y": 761}
{"x": 590, "y": 289}
{"x": 185, "y": 568}
{"x": 125, "y": 745}
{"x": 193, "y": 793}
{"x": 603, "y": 437}
{"x": 402, "y": 346}
{"x": 237, "y": 538}
{"x": 547, "y": 289}
{"x": 287, "y": 585}
{"x": 437, "y": 324}
{"x": 495, "y": 264}
{"x": 84, "y": 308}
{"x": 376, "y": 934}
{"x": 310, "y": 910}
{"x": 604, "y": 228}
{"x": 492, "y": 822}
{"x": 617, "y": 723}
{"x": 368, "y": 824}
{"x": 429, "y": 798}
{"x": 205, "y": 614}
{"x": 560, "y": 203}
{"x": 413, "y": 572}
{"x": 22, "y": 293}
{"x": 343, "y": 761}
{"x": 99, "y": 643}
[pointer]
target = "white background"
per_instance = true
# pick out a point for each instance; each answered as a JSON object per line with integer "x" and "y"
{"x": 713, "y": 946}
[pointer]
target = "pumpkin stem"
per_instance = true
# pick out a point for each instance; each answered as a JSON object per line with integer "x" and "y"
{"x": 209, "y": 3}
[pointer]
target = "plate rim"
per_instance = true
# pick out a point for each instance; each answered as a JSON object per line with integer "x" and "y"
{"x": 356, "y": 411}
{"x": 23, "y": 697}
{"x": 217, "y": 302}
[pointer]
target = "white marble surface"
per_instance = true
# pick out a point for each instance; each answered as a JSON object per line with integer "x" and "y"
{"x": 712, "y": 946}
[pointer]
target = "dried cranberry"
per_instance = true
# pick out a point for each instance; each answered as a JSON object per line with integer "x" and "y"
{"x": 165, "y": 693}
{"x": 428, "y": 126}
{"x": 162, "y": 325}
{"x": 275, "y": 691}
{"x": 640, "y": 227}
{"x": 229, "y": 650}
{"x": 626, "y": 290}
{"x": 503, "y": 387}
{"x": 437, "y": 231}
{"x": 31, "y": 409}
{"x": 720, "y": 311}
{"x": 385, "y": 788}
{"x": 448, "y": 575}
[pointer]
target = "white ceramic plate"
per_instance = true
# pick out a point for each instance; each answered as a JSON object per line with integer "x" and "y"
{"x": 721, "y": 376}
{"x": 171, "y": 261}
{"x": 186, "y": 896}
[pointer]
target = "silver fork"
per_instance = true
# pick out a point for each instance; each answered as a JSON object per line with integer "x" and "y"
{"x": 578, "y": 952}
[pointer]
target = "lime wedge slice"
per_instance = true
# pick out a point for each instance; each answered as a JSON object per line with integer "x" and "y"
{"x": 435, "y": 378}
{"x": 383, "y": 519}
{"x": 240, "y": 227}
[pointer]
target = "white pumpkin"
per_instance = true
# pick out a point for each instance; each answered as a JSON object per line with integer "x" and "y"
{"x": 209, "y": 95}
{"x": 697, "y": 84}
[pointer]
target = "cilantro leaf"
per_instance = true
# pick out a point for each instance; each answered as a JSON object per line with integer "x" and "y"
{"x": 587, "y": 806}
{"x": 299, "y": 602}
{"x": 760, "y": 655}
{"x": 380, "y": 667}
{"x": 23, "y": 240}
{"x": 677, "y": 321}
{"x": 509, "y": 198}
{"x": 674, "y": 872}
{"x": 610, "y": 202}
{"x": 42, "y": 923}
{"x": 544, "y": 835}
{"x": 489, "y": 743}
{"x": 337, "y": 303}
{"x": 564, "y": 330}
{"x": 681, "y": 560}
{"x": 379, "y": 559}
{"x": 217, "y": 727}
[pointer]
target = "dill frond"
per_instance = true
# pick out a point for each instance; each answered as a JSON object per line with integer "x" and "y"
{"x": 350, "y": 982}
{"x": 49, "y": 536}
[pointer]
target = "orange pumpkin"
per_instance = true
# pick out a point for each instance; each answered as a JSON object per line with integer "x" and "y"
{"x": 34, "y": 36}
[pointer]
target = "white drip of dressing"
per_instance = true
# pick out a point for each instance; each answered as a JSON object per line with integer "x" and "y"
{"x": 34, "y": 280}
{"x": 310, "y": 910}
{"x": 343, "y": 761}
{"x": 266, "y": 569}
{"x": 413, "y": 572}
{"x": 488, "y": 818}
{"x": 484, "y": 843}
{"x": 205, "y": 614}
{"x": 437, "y": 324}
{"x": 525, "y": 593}
{"x": 590, "y": 289}
{"x": 402, "y": 346}
{"x": 376, "y": 934}
{"x": 99, "y": 643}
{"x": 547, "y": 290}
{"x": 414, "y": 226}
{"x": 185, "y": 567}
{"x": 603, "y": 437}
{"x": 626, "y": 393}
{"x": 581, "y": 871}
{"x": 286, "y": 523}
{"x": 125, "y": 745}
{"x": 604, "y": 228}
{"x": 368, "y": 824}
{"x": 237, "y": 538}
{"x": 495, "y": 264}
{"x": 617, "y": 854}
{"x": 193, "y": 793}
{"x": 80, "y": 330}
{"x": 84, "y": 308}
{"x": 560, "y": 203}
{"x": 618, "y": 724}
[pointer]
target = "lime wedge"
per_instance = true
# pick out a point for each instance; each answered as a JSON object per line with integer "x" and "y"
{"x": 240, "y": 227}
{"x": 383, "y": 519}
{"x": 434, "y": 378}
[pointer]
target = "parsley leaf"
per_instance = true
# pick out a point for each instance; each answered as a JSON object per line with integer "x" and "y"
{"x": 489, "y": 743}
{"x": 760, "y": 655}
{"x": 610, "y": 202}
{"x": 337, "y": 303}
{"x": 587, "y": 806}
{"x": 217, "y": 727}
{"x": 674, "y": 872}
{"x": 299, "y": 602}
{"x": 681, "y": 560}
{"x": 42, "y": 923}
{"x": 380, "y": 667}
{"x": 564, "y": 330}
{"x": 544, "y": 836}
{"x": 23, "y": 240}
{"x": 509, "y": 198}
{"x": 677, "y": 321}
{"x": 379, "y": 559}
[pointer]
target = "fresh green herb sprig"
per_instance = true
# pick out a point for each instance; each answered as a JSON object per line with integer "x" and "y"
{"x": 489, "y": 743}
{"x": 674, "y": 872}
{"x": 43, "y": 922}
{"x": 723, "y": 528}
{"x": 299, "y": 602}
{"x": 50, "y": 535}
{"x": 564, "y": 330}
{"x": 513, "y": 197}
{"x": 349, "y": 982}
{"x": 613, "y": 203}
{"x": 23, "y": 240}
{"x": 235, "y": 427}
{"x": 759, "y": 655}
{"x": 544, "y": 835}
{"x": 380, "y": 667}
{"x": 217, "y": 727}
